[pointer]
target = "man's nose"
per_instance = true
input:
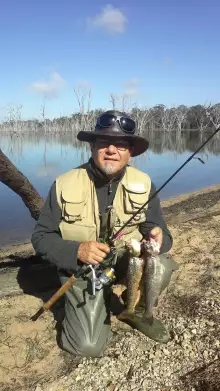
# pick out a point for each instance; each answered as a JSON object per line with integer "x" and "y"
{"x": 112, "y": 148}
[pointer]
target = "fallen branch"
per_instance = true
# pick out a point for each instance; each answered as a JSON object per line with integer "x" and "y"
{"x": 17, "y": 182}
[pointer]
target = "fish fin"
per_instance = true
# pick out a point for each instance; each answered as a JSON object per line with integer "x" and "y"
{"x": 124, "y": 296}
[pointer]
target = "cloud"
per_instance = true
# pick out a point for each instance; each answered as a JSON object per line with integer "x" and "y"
{"x": 111, "y": 20}
{"x": 131, "y": 87}
{"x": 50, "y": 88}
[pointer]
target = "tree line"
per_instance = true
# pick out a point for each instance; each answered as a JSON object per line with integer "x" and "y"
{"x": 173, "y": 120}
{"x": 157, "y": 118}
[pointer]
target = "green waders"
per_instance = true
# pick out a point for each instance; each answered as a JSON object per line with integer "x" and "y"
{"x": 86, "y": 325}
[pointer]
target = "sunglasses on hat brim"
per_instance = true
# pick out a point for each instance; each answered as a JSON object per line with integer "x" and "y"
{"x": 108, "y": 120}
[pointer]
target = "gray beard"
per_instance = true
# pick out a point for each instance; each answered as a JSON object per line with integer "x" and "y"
{"x": 108, "y": 169}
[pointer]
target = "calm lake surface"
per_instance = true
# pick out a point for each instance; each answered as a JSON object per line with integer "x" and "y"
{"x": 42, "y": 158}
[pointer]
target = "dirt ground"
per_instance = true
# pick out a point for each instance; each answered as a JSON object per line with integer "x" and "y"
{"x": 29, "y": 351}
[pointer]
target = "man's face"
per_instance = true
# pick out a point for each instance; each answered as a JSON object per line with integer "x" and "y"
{"x": 111, "y": 156}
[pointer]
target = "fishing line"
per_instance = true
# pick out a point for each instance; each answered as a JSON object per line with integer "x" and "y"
{"x": 119, "y": 232}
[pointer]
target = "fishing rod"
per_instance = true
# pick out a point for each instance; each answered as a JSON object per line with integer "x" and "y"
{"x": 84, "y": 269}
{"x": 119, "y": 232}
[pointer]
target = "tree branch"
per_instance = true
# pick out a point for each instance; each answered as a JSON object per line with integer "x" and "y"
{"x": 17, "y": 182}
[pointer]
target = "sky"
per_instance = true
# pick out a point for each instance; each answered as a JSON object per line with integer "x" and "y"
{"x": 145, "y": 52}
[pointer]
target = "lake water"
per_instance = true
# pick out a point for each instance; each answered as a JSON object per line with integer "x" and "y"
{"x": 42, "y": 159}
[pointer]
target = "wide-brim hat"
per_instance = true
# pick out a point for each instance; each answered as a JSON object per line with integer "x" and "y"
{"x": 140, "y": 144}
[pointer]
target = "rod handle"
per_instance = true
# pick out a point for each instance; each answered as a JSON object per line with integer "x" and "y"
{"x": 55, "y": 297}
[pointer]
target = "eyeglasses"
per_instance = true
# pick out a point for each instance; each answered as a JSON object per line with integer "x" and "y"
{"x": 108, "y": 120}
{"x": 120, "y": 145}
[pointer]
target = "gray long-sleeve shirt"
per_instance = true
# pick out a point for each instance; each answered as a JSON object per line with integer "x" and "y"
{"x": 47, "y": 240}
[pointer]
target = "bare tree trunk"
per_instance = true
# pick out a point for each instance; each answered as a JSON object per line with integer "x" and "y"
{"x": 16, "y": 181}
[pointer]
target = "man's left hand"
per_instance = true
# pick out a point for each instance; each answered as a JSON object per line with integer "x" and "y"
{"x": 157, "y": 234}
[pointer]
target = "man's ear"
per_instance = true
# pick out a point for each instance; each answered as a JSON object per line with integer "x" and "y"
{"x": 131, "y": 150}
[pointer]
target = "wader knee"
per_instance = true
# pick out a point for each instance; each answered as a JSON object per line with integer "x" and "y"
{"x": 83, "y": 348}
{"x": 86, "y": 325}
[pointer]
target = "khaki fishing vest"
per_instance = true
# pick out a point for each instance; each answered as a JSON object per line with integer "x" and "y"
{"x": 76, "y": 196}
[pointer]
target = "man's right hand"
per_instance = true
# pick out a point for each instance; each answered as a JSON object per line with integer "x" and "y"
{"x": 92, "y": 252}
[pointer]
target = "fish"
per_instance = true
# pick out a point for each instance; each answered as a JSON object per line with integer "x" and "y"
{"x": 135, "y": 273}
{"x": 145, "y": 275}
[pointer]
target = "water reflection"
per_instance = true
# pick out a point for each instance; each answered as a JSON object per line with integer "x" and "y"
{"x": 160, "y": 142}
{"x": 43, "y": 157}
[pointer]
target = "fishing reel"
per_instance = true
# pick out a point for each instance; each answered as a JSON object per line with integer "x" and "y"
{"x": 104, "y": 278}
{"x": 103, "y": 274}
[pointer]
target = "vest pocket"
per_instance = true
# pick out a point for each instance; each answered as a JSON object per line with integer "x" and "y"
{"x": 78, "y": 231}
{"x": 73, "y": 206}
{"x": 134, "y": 201}
{"x": 73, "y": 212}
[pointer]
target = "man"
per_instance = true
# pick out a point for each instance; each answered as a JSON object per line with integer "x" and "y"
{"x": 87, "y": 205}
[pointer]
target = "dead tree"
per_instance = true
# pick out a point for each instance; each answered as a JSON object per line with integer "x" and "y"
{"x": 180, "y": 114}
{"x": 213, "y": 113}
{"x": 17, "y": 182}
{"x": 168, "y": 119}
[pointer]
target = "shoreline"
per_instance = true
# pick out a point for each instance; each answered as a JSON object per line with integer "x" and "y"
{"x": 175, "y": 210}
